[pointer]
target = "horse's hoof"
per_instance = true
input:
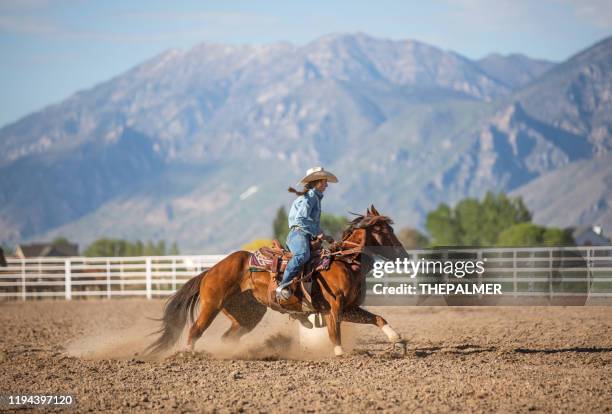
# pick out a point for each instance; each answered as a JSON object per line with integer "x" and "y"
{"x": 338, "y": 351}
{"x": 399, "y": 349}
{"x": 391, "y": 334}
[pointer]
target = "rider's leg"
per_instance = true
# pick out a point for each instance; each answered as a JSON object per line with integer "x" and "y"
{"x": 298, "y": 242}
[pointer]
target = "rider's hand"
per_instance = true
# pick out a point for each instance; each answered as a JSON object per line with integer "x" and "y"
{"x": 323, "y": 236}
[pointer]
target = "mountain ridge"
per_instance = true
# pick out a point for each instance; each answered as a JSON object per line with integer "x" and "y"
{"x": 406, "y": 126}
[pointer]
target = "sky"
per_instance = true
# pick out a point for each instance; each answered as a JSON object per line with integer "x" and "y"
{"x": 50, "y": 49}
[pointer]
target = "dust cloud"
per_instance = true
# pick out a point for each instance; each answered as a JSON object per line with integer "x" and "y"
{"x": 276, "y": 337}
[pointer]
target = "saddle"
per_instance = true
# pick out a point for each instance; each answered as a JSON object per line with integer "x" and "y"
{"x": 274, "y": 261}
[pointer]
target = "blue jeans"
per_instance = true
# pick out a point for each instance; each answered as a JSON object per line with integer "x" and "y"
{"x": 298, "y": 242}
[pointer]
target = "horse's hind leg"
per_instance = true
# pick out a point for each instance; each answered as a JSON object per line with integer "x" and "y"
{"x": 356, "y": 314}
{"x": 207, "y": 314}
{"x": 245, "y": 312}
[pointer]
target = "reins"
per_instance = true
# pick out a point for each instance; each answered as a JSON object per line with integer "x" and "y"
{"x": 347, "y": 252}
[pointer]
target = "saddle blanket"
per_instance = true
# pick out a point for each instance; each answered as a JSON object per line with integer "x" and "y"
{"x": 268, "y": 259}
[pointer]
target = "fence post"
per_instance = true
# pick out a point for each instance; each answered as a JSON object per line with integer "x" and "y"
{"x": 479, "y": 277}
{"x": 148, "y": 278}
{"x": 550, "y": 275}
{"x": 588, "y": 271}
{"x": 68, "y": 282}
{"x": 514, "y": 283}
{"x": 121, "y": 273}
{"x": 108, "y": 279}
{"x": 23, "y": 280}
{"x": 173, "y": 274}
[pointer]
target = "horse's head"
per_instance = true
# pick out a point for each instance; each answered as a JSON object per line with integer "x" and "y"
{"x": 374, "y": 230}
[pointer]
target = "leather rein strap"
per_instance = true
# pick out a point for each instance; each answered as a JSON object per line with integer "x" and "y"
{"x": 345, "y": 253}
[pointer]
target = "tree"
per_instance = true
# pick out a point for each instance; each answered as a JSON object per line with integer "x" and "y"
{"x": 8, "y": 250}
{"x": 498, "y": 213}
{"x": 529, "y": 234}
{"x": 521, "y": 235}
{"x": 101, "y": 248}
{"x": 160, "y": 249}
{"x": 468, "y": 214}
{"x": 442, "y": 226}
{"x": 475, "y": 223}
{"x": 149, "y": 249}
{"x": 412, "y": 238}
{"x": 280, "y": 226}
{"x": 120, "y": 248}
{"x": 60, "y": 241}
{"x": 558, "y": 237}
{"x": 138, "y": 248}
{"x": 333, "y": 225}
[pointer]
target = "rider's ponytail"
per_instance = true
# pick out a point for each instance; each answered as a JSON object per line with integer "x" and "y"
{"x": 307, "y": 187}
{"x": 298, "y": 193}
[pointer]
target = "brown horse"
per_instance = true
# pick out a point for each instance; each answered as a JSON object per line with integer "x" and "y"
{"x": 242, "y": 295}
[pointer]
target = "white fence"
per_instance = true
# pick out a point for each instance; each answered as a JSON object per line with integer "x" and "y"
{"x": 99, "y": 276}
{"x": 532, "y": 271}
{"x": 523, "y": 271}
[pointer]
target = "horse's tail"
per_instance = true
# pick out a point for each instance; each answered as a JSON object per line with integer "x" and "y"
{"x": 178, "y": 307}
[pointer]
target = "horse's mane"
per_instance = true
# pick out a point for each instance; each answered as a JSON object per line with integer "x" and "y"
{"x": 362, "y": 222}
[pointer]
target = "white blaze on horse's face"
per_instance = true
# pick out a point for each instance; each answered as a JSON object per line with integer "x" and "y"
{"x": 384, "y": 236}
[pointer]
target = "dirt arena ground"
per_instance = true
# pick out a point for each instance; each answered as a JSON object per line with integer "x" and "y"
{"x": 459, "y": 359}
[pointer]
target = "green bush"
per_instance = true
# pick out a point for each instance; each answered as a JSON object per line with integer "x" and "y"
{"x": 529, "y": 234}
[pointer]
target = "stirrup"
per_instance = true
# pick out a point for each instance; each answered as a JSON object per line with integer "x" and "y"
{"x": 283, "y": 293}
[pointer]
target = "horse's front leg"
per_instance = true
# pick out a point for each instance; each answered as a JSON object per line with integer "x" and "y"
{"x": 356, "y": 314}
{"x": 332, "y": 319}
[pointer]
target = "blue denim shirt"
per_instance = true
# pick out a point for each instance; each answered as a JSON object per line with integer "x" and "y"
{"x": 306, "y": 212}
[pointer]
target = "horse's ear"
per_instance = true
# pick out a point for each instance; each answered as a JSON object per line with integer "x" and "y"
{"x": 368, "y": 212}
{"x": 374, "y": 211}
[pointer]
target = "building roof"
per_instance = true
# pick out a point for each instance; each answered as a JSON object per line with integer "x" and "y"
{"x": 47, "y": 250}
{"x": 590, "y": 236}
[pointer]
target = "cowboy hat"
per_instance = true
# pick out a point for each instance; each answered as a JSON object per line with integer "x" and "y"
{"x": 318, "y": 173}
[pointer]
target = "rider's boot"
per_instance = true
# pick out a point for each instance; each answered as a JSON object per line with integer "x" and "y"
{"x": 283, "y": 292}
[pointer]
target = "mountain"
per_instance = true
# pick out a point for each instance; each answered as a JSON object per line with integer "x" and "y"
{"x": 510, "y": 149}
{"x": 45, "y": 191}
{"x": 199, "y": 146}
{"x": 557, "y": 199}
{"x": 576, "y": 96}
{"x": 515, "y": 70}
{"x": 182, "y": 98}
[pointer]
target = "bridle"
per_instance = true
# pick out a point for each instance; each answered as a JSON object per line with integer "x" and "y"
{"x": 350, "y": 251}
